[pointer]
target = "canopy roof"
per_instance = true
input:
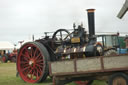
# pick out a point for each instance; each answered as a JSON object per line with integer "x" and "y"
{"x": 4, "y": 45}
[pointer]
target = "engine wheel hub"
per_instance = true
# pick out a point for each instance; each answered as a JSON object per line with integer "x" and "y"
{"x": 31, "y": 62}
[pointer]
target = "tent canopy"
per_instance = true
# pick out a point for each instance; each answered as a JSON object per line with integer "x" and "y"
{"x": 23, "y": 42}
{"x": 4, "y": 45}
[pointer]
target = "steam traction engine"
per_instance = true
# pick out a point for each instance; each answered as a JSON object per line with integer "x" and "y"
{"x": 33, "y": 57}
{"x": 6, "y": 56}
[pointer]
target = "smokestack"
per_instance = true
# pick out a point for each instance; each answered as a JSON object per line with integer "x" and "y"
{"x": 91, "y": 22}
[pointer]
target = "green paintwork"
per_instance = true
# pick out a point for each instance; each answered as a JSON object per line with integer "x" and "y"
{"x": 122, "y": 42}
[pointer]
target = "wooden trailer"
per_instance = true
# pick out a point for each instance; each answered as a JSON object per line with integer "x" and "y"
{"x": 113, "y": 69}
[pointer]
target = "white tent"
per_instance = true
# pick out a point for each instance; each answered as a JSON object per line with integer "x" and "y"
{"x": 24, "y": 41}
{"x": 4, "y": 45}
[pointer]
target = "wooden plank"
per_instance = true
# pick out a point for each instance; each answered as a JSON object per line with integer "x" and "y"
{"x": 88, "y": 64}
{"x": 115, "y": 62}
{"x": 62, "y": 67}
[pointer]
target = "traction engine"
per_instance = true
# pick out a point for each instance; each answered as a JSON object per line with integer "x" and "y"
{"x": 33, "y": 57}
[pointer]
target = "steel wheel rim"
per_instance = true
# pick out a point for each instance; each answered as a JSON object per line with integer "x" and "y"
{"x": 119, "y": 81}
{"x": 30, "y": 63}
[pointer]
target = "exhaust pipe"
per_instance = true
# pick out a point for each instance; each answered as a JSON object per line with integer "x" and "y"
{"x": 91, "y": 22}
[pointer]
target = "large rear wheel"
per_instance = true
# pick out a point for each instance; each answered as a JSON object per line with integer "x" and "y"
{"x": 32, "y": 62}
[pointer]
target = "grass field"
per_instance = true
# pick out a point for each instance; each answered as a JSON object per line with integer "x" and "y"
{"x": 8, "y": 77}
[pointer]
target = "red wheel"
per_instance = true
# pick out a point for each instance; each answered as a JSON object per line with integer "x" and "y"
{"x": 32, "y": 62}
{"x": 4, "y": 58}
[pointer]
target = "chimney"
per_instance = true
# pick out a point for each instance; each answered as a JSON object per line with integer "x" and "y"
{"x": 91, "y": 22}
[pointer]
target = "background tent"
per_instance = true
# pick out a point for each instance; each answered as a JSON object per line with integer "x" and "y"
{"x": 4, "y": 45}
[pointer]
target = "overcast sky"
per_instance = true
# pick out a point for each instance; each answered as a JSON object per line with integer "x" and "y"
{"x": 19, "y": 19}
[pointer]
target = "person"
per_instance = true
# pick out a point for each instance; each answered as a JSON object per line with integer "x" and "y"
{"x": 126, "y": 42}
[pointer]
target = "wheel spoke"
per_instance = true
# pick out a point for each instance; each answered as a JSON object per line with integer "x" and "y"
{"x": 32, "y": 75}
{"x": 35, "y": 52}
{"x": 36, "y": 73}
{"x": 30, "y": 71}
{"x": 39, "y": 61}
{"x": 27, "y": 71}
{"x": 25, "y": 56}
{"x": 38, "y": 70}
{"x": 31, "y": 52}
{"x": 23, "y": 62}
{"x": 37, "y": 56}
{"x": 27, "y": 53}
{"x": 39, "y": 66}
{"x": 25, "y": 65}
{"x": 26, "y": 68}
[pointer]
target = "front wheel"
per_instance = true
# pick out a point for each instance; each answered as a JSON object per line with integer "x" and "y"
{"x": 32, "y": 62}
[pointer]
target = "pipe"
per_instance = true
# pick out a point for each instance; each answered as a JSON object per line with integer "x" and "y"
{"x": 123, "y": 10}
{"x": 91, "y": 22}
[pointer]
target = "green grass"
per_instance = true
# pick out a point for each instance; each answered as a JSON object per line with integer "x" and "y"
{"x": 8, "y": 77}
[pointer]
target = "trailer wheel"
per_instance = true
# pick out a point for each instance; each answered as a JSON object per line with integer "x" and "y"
{"x": 32, "y": 62}
{"x": 118, "y": 79}
{"x": 110, "y": 52}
